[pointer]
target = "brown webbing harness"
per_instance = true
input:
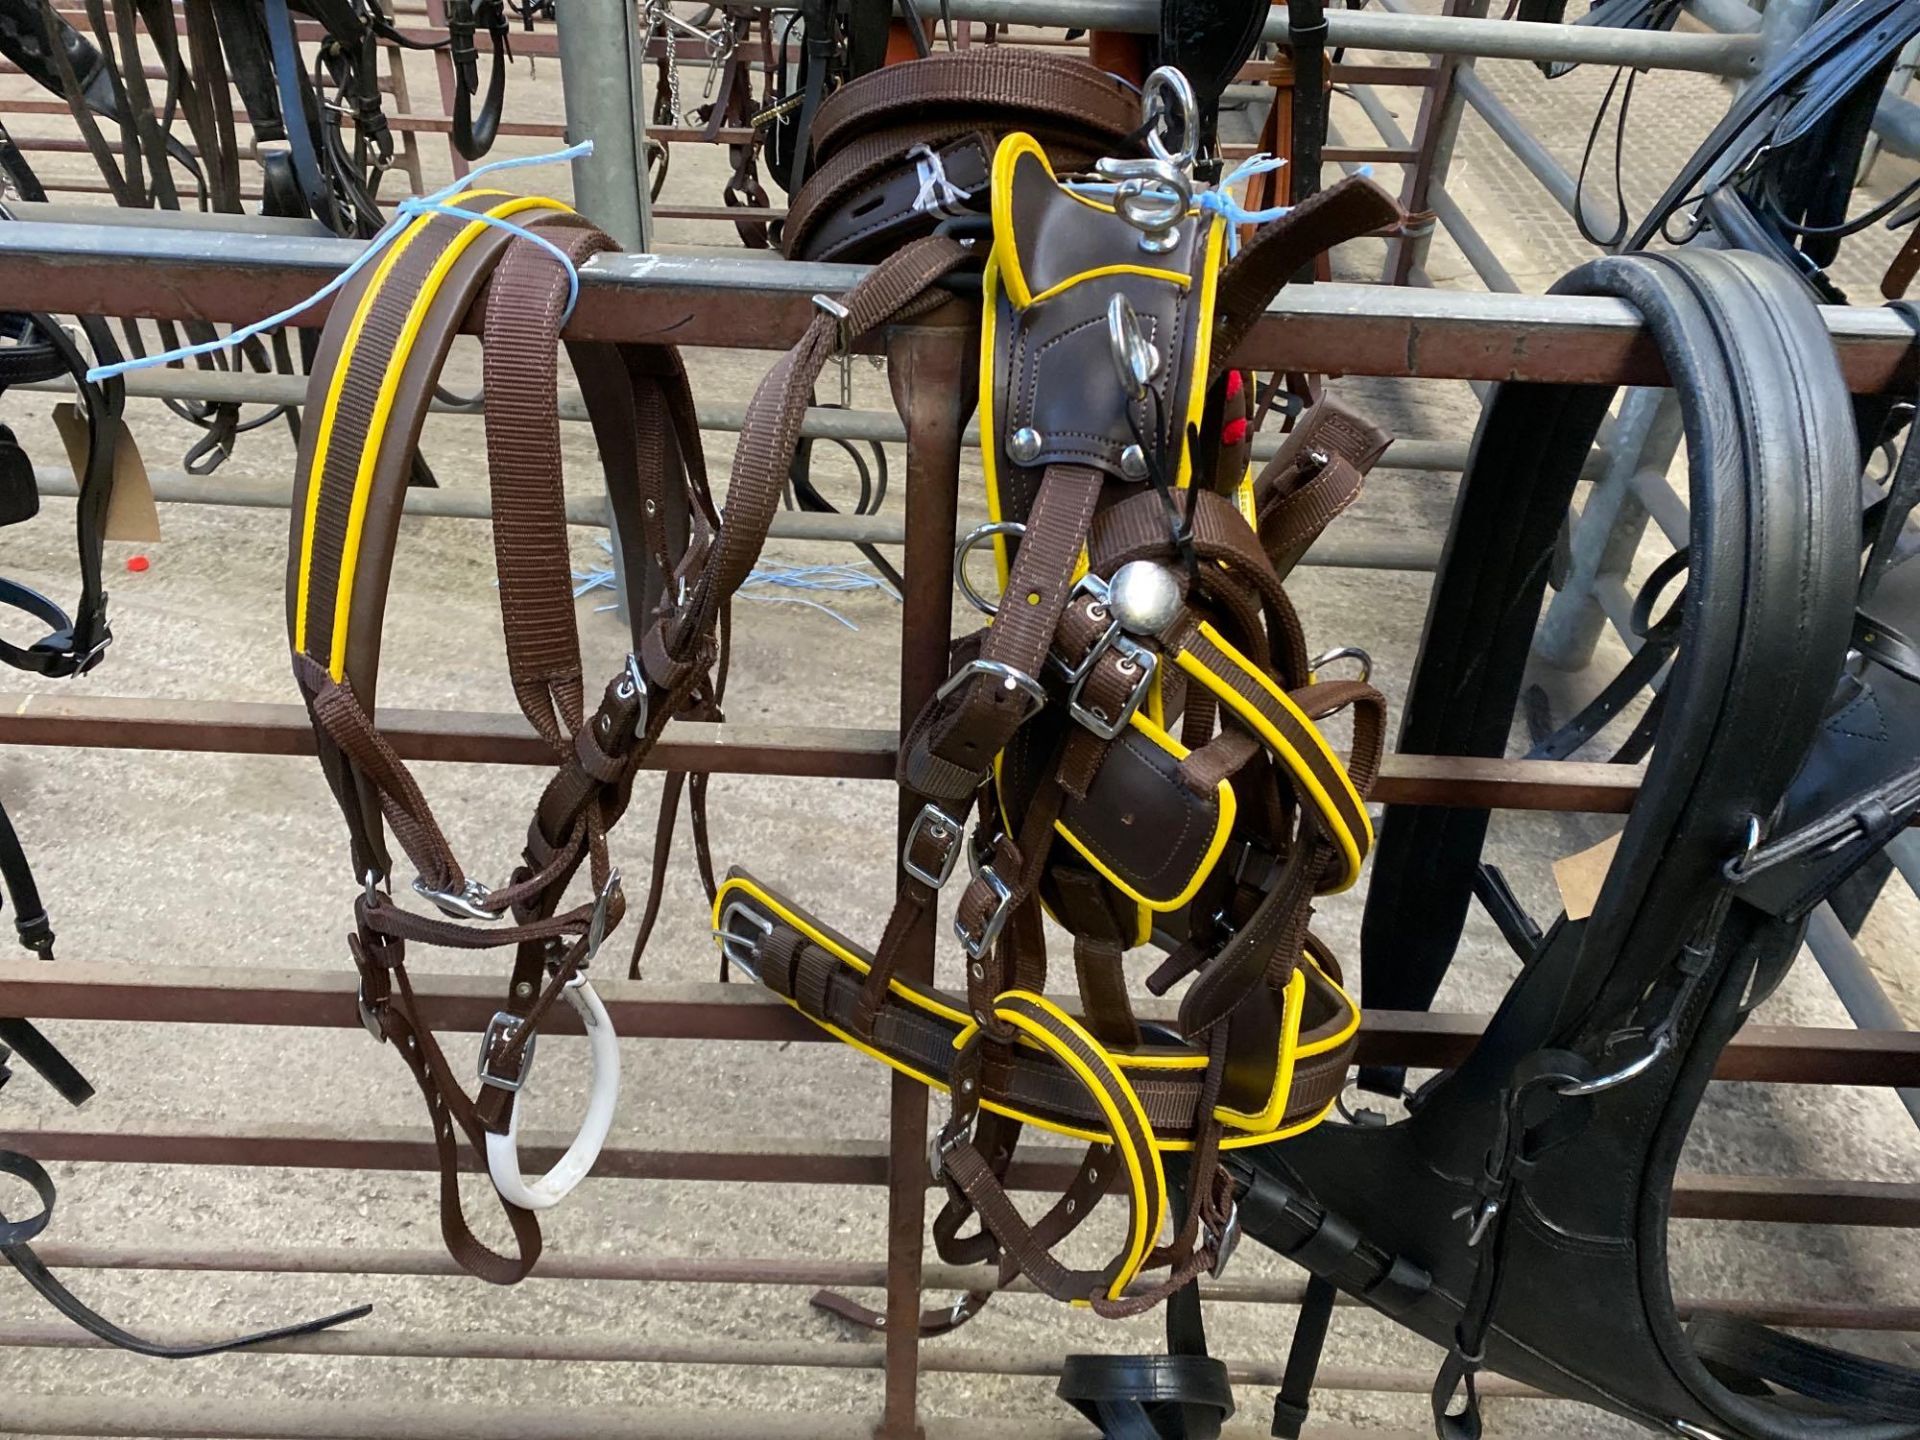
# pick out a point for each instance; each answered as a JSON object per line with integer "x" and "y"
{"x": 382, "y": 351}
{"x": 1143, "y": 693}
{"x": 386, "y": 340}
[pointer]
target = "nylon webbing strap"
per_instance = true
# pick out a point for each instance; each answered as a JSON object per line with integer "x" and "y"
{"x": 1353, "y": 207}
{"x": 982, "y": 84}
{"x": 899, "y": 289}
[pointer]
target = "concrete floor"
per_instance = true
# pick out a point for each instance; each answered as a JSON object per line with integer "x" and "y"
{"x": 182, "y": 860}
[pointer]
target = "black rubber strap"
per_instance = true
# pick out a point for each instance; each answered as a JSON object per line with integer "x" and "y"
{"x": 1149, "y": 1397}
{"x": 44, "y": 1056}
{"x": 19, "y": 1232}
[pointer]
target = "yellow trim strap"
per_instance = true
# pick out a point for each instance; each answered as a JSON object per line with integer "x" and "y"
{"x": 1352, "y": 848}
{"x": 1161, "y": 1059}
{"x": 417, "y": 310}
{"x": 1111, "y": 1091}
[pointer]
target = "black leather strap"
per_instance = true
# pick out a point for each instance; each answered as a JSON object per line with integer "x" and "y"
{"x": 20, "y": 1255}
{"x": 1290, "y": 1406}
{"x": 1149, "y": 1397}
{"x": 1746, "y": 1353}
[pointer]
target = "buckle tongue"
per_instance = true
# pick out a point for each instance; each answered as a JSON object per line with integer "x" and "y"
{"x": 469, "y": 902}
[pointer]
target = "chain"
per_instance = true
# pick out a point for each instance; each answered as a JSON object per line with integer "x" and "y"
{"x": 673, "y": 79}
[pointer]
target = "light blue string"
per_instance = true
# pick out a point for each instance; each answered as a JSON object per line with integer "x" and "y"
{"x": 404, "y": 214}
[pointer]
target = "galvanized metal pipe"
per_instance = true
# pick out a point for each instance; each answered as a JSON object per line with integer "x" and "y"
{"x": 1425, "y": 34}
{"x": 1446, "y": 209}
{"x": 821, "y": 422}
{"x": 600, "y": 57}
{"x": 1530, "y": 152}
{"x": 1851, "y": 975}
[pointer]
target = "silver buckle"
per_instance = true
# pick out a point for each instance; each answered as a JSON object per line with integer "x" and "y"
{"x": 503, "y": 1023}
{"x": 633, "y": 683}
{"x": 996, "y": 918}
{"x": 1089, "y": 584}
{"x": 742, "y": 950}
{"x": 466, "y": 903}
{"x": 1099, "y": 724}
{"x": 943, "y": 830}
{"x": 842, "y": 322}
{"x": 1013, "y": 679}
{"x": 1226, "y": 1242}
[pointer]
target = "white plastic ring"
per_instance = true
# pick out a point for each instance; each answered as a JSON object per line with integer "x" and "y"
{"x": 503, "y": 1151}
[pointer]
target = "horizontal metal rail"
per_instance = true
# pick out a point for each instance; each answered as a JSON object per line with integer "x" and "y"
{"x": 252, "y": 387}
{"x": 1423, "y": 34}
{"x": 175, "y": 487}
{"x": 363, "y": 1341}
{"x": 503, "y": 738}
{"x": 834, "y": 1274}
{"x": 319, "y": 998}
{"x": 287, "y": 1419}
{"x": 778, "y": 1160}
{"x": 163, "y": 273}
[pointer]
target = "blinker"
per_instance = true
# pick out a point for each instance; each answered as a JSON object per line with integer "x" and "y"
{"x": 19, "y": 491}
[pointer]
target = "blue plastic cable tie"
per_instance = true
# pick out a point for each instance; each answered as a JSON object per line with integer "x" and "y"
{"x": 403, "y": 214}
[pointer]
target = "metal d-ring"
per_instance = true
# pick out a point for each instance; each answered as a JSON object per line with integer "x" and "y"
{"x": 968, "y": 543}
{"x": 1167, "y": 99}
{"x": 1134, "y": 357}
{"x": 1344, "y": 652}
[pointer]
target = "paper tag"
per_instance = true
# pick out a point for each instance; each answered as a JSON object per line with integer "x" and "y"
{"x": 131, "y": 513}
{"x": 1581, "y": 876}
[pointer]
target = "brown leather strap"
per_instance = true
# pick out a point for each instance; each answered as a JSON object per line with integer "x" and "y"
{"x": 899, "y": 289}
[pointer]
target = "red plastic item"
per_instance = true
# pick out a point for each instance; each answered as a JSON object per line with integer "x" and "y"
{"x": 137, "y": 563}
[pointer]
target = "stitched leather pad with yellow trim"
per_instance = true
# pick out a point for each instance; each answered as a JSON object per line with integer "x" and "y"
{"x": 1047, "y": 372}
{"x": 820, "y": 973}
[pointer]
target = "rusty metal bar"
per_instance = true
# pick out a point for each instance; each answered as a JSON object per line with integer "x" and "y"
{"x": 839, "y": 1274}
{"x": 285, "y": 1419}
{"x": 477, "y": 737}
{"x": 500, "y": 738}
{"x": 776, "y": 1160}
{"x": 930, "y": 371}
{"x": 749, "y": 1354}
{"x": 164, "y": 273}
{"x": 324, "y": 999}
